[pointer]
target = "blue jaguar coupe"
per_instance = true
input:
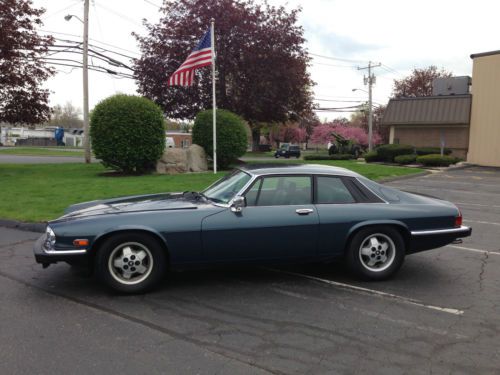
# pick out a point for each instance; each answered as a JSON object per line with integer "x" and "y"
{"x": 256, "y": 214}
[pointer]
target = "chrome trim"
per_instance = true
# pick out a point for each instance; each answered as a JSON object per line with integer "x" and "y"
{"x": 64, "y": 252}
{"x": 304, "y": 211}
{"x": 463, "y": 228}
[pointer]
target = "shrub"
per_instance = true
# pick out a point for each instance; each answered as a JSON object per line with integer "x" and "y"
{"x": 436, "y": 160}
{"x": 329, "y": 157}
{"x": 127, "y": 133}
{"x": 432, "y": 150}
{"x": 371, "y": 156}
{"x": 389, "y": 152}
{"x": 231, "y": 135}
{"x": 405, "y": 159}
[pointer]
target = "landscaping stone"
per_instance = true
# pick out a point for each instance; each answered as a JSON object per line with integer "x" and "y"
{"x": 197, "y": 159}
{"x": 179, "y": 160}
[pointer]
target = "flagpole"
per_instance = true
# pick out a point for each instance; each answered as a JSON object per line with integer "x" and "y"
{"x": 214, "y": 107}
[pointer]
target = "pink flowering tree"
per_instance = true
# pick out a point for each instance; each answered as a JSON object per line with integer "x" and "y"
{"x": 287, "y": 133}
{"x": 322, "y": 134}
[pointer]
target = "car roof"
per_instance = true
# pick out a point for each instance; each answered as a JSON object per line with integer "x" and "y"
{"x": 275, "y": 168}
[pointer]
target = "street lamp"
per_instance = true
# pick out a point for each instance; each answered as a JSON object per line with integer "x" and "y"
{"x": 360, "y": 90}
{"x": 85, "y": 63}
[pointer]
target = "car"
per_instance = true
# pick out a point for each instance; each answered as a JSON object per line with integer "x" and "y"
{"x": 259, "y": 214}
{"x": 287, "y": 150}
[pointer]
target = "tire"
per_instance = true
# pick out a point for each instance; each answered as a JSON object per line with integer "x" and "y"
{"x": 277, "y": 156}
{"x": 376, "y": 253}
{"x": 131, "y": 262}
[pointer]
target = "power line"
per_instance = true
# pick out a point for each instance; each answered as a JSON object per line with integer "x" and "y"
{"x": 47, "y": 16}
{"x": 119, "y": 15}
{"x": 153, "y": 4}
{"x": 337, "y": 58}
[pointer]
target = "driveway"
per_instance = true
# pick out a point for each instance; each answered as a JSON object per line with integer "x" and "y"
{"x": 439, "y": 314}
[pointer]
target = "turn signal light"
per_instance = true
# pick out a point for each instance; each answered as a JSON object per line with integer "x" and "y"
{"x": 458, "y": 220}
{"x": 80, "y": 242}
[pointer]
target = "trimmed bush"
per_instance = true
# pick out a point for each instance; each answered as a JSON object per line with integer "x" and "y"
{"x": 389, "y": 152}
{"x": 405, "y": 159}
{"x": 329, "y": 157}
{"x": 371, "y": 156}
{"x": 127, "y": 133}
{"x": 231, "y": 135}
{"x": 432, "y": 150}
{"x": 436, "y": 160}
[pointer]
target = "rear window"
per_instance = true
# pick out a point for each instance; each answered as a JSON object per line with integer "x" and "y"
{"x": 331, "y": 190}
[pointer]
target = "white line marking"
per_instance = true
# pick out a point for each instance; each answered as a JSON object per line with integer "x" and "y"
{"x": 371, "y": 291}
{"x": 407, "y": 187}
{"x": 481, "y": 222}
{"x": 474, "y": 250}
{"x": 477, "y": 204}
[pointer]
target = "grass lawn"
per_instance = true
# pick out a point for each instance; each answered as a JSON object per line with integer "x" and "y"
{"x": 40, "y": 192}
{"x": 40, "y": 151}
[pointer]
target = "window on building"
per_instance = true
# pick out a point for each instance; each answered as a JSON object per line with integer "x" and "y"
{"x": 185, "y": 143}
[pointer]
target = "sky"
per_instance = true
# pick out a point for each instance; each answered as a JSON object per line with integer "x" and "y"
{"x": 401, "y": 35}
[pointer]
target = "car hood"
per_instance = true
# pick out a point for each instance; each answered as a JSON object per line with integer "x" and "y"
{"x": 137, "y": 203}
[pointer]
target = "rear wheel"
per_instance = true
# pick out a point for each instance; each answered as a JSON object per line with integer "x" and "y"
{"x": 376, "y": 253}
{"x": 131, "y": 263}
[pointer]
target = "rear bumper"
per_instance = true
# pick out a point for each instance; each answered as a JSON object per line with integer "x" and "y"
{"x": 47, "y": 257}
{"x": 430, "y": 239}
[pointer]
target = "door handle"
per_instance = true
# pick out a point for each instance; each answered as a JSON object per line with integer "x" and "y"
{"x": 304, "y": 211}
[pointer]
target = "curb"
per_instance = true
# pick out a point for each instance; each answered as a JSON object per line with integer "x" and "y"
{"x": 19, "y": 225}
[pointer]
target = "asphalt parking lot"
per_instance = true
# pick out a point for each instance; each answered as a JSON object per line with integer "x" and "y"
{"x": 440, "y": 314}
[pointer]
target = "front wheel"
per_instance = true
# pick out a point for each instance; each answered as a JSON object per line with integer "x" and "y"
{"x": 131, "y": 263}
{"x": 376, "y": 253}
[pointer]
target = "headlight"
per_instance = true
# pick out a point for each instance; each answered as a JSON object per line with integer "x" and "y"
{"x": 50, "y": 239}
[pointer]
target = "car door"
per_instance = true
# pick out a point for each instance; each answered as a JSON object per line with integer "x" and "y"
{"x": 338, "y": 210}
{"x": 278, "y": 222}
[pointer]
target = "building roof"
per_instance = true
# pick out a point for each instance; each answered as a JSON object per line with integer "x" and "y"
{"x": 280, "y": 168}
{"x": 429, "y": 110}
{"x": 482, "y": 54}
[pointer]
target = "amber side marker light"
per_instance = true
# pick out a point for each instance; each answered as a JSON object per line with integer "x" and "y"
{"x": 80, "y": 242}
{"x": 458, "y": 220}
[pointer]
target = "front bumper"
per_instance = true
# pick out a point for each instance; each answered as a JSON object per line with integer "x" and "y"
{"x": 430, "y": 239}
{"x": 47, "y": 257}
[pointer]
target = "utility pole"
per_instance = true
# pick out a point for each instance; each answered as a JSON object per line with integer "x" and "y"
{"x": 86, "y": 128}
{"x": 370, "y": 80}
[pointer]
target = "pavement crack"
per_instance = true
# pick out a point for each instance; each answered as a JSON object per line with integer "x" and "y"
{"x": 484, "y": 261}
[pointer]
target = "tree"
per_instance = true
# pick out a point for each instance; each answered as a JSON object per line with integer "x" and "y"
{"x": 418, "y": 83}
{"x": 360, "y": 119}
{"x": 127, "y": 133}
{"x": 231, "y": 135}
{"x": 22, "y": 69}
{"x": 261, "y": 61}
{"x": 322, "y": 134}
{"x": 66, "y": 116}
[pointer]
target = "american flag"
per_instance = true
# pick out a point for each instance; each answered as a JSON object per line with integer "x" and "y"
{"x": 201, "y": 56}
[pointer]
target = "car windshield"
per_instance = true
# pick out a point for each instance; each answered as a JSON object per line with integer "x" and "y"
{"x": 226, "y": 188}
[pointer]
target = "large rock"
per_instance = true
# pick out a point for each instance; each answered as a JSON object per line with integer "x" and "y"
{"x": 180, "y": 160}
{"x": 173, "y": 161}
{"x": 196, "y": 159}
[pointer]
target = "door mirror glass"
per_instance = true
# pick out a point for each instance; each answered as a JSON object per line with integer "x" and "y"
{"x": 238, "y": 203}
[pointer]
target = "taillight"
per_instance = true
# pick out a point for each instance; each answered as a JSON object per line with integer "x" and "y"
{"x": 458, "y": 220}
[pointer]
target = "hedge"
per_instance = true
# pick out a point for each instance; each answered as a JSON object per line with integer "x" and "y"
{"x": 231, "y": 135}
{"x": 436, "y": 160}
{"x": 432, "y": 150}
{"x": 127, "y": 133}
{"x": 329, "y": 157}
{"x": 371, "y": 156}
{"x": 405, "y": 159}
{"x": 389, "y": 152}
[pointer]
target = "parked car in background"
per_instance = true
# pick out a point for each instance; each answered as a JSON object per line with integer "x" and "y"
{"x": 287, "y": 150}
{"x": 256, "y": 214}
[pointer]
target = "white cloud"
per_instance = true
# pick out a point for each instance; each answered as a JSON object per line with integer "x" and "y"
{"x": 400, "y": 34}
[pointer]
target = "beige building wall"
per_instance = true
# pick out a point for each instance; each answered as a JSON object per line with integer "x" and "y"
{"x": 456, "y": 137}
{"x": 484, "y": 139}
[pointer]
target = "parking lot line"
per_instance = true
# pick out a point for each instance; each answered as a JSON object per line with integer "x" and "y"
{"x": 480, "y": 222}
{"x": 407, "y": 186}
{"x": 371, "y": 291}
{"x": 474, "y": 250}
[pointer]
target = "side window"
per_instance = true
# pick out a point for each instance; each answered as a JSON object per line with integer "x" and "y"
{"x": 253, "y": 193}
{"x": 332, "y": 190}
{"x": 285, "y": 190}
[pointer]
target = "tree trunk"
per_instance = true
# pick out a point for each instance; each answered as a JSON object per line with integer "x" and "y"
{"x": 255, "y": 138}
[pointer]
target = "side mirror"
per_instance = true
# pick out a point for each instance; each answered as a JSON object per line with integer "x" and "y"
{"x": 238, "y": 203}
